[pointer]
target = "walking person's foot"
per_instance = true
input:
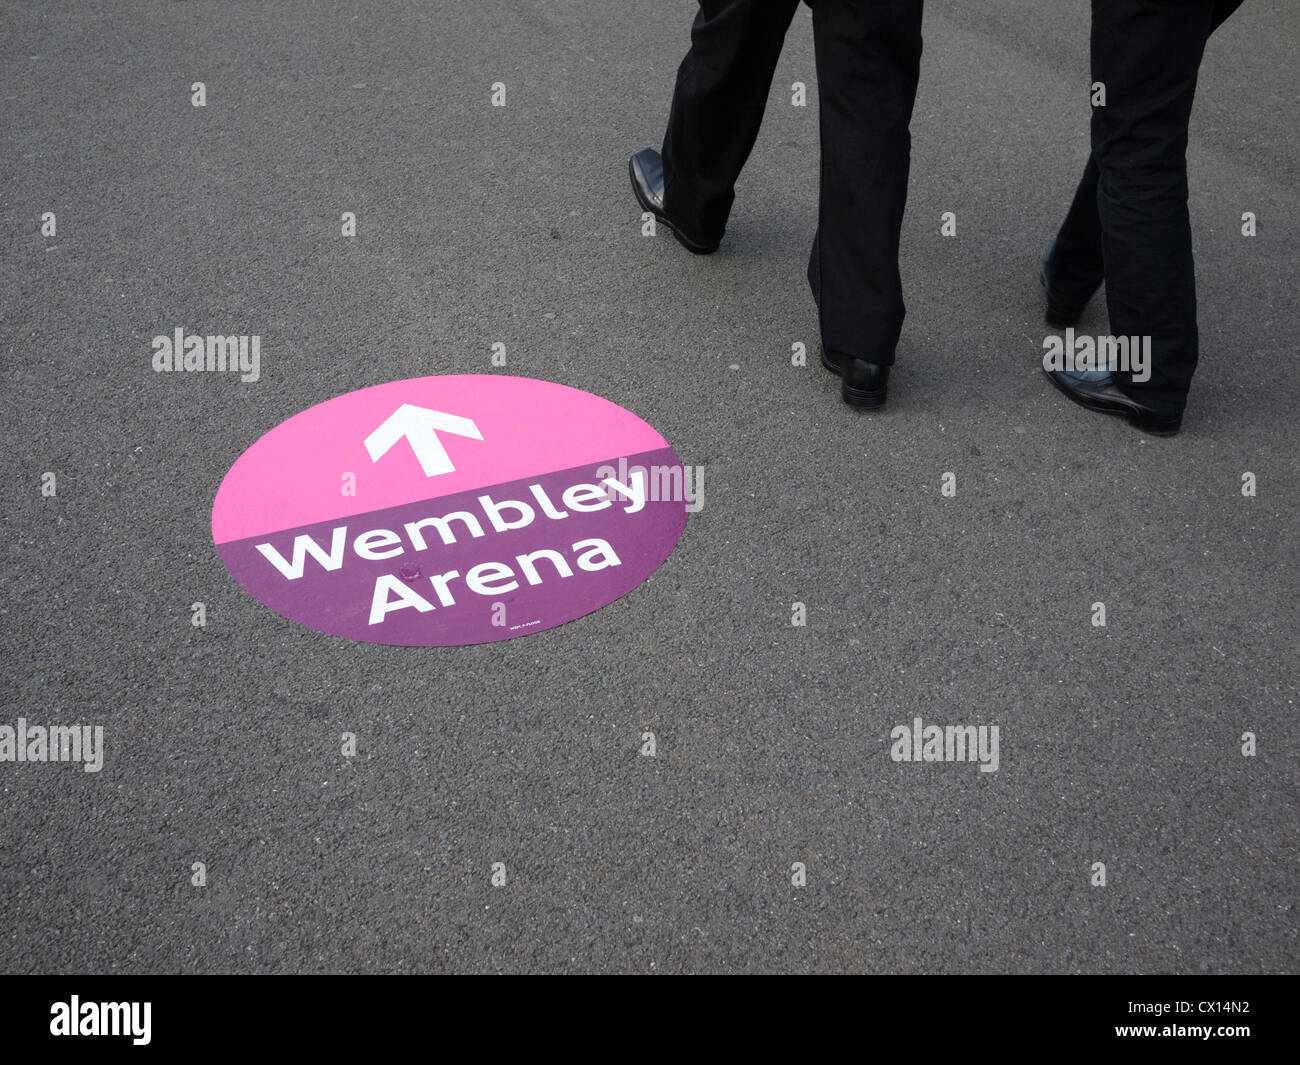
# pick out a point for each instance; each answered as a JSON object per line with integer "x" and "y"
{"x": 864, "y": 384}
{"x": 1096, "y": 390}
{"x": 646, "y": 169}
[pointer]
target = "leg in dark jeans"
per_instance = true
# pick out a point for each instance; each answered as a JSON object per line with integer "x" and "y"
{"x": 718, "y": 105}
{"x": 868, "y": 60}
{"x": 1130, "y": 210}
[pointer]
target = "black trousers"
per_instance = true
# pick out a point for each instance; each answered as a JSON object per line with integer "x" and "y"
{"x": 1129, "y": 223}
{"x": 868, "y": 57}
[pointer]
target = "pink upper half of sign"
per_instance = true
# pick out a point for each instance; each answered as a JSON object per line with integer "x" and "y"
{"x": 296, "y": 474}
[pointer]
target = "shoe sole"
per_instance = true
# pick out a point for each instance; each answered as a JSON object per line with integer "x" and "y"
{"x": 854, "y": 397}
{"x": 685, "y": 242}
{"x": 1135, "y": 418}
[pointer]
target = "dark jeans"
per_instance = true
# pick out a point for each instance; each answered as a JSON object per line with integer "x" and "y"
{"x": 868, "y": 56}
{"x": 1129, "y": 222}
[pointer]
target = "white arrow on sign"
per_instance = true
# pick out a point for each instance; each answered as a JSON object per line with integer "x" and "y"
{"x": 421, "y": 427}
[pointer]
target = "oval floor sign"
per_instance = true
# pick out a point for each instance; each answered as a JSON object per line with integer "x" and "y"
{"x": 450, "y": 510}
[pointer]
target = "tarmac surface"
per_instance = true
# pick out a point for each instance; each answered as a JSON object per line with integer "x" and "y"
{"x": 477, "y": 224}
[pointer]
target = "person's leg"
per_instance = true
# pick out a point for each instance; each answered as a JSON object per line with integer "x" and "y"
{"x": 868, "y": 60}
{"x": 1073, "y": 268}
{"x": 1147, "y": 54}
{"x": 718, "y": 104}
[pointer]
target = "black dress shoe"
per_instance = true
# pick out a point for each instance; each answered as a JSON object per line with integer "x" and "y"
{"x": 863, "y": 384}
{"x": 1060, "y": 313}
{"x": 646, "y": 170}
{"x": 1096, "y": 390}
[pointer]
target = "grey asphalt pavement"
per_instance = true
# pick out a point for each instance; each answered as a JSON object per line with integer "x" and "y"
{"x": 1120, "y": 744}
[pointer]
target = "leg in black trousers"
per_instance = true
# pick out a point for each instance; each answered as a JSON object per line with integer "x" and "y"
{"x": 868, "y": 58}
{"x": 868, "y": 62}
{"x": 1129, "y": 220}
{"x": 718, "y": 105}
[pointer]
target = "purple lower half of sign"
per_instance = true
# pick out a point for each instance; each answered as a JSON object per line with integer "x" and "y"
{"x": 475, "y": 567}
